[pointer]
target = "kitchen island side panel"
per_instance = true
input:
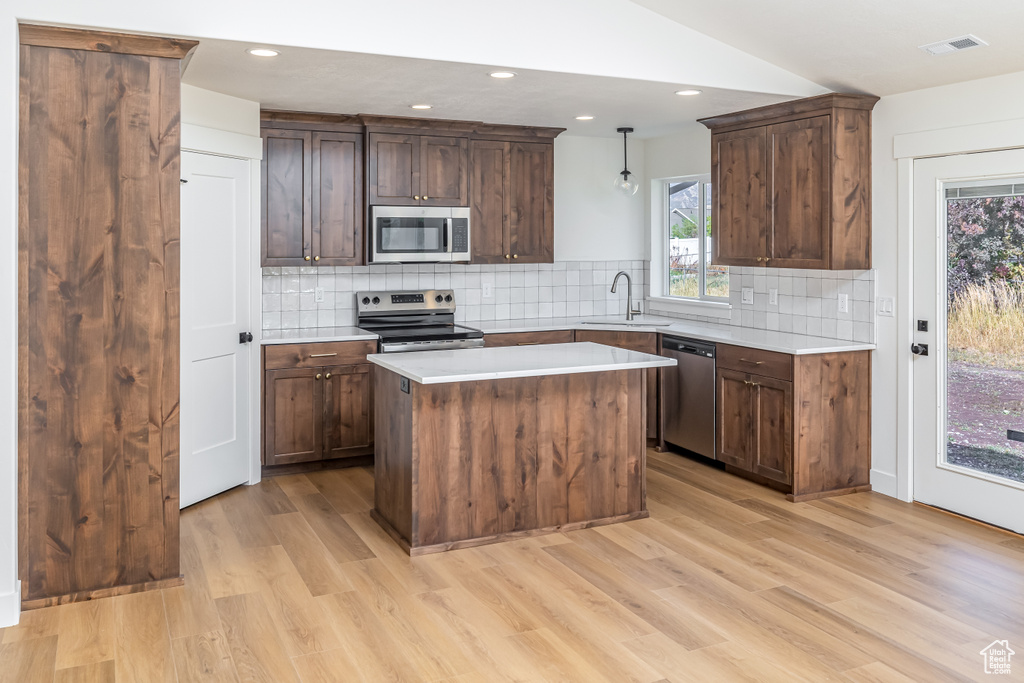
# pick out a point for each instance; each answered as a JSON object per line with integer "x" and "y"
{"x": 393, "y": 453}
{"x": 502, "y": 458}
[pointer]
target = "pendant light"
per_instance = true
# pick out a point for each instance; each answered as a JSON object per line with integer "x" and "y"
{"x": 625, "y": 182}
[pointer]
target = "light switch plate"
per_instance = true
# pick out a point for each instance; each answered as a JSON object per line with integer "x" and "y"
{"x": 886, "y": 306}
{"x": 747, "y": 296}
{"x": 486, "y": 290}
{"x": 773, "y": 297}
{"x": 318, "y": 295}
{"x": 844, "y": 303}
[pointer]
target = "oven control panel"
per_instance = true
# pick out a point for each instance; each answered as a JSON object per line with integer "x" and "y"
{"x": 405, "y": 302}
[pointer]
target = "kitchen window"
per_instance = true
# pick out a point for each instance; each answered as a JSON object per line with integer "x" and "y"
{"x": 689, "y": 274}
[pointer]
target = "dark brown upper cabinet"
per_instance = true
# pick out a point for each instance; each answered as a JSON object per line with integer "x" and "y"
{"x": 312, "y": 208}
{"x": 512, "y": 201}
{"x": 791, "y": 184}
{"x": 418, "y": 170}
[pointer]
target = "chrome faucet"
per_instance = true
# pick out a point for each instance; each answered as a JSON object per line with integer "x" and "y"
{"x": 629, "y": 294}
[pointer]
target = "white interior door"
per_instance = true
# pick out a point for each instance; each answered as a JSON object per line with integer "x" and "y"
{"x": 969, "y": 291}
{"x": 215, "y": 408}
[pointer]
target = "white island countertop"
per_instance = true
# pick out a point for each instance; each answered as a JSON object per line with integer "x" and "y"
{"x": 502, "y": 362}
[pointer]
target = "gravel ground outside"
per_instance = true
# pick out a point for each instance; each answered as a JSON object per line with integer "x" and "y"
{"x": 983, "y": 402}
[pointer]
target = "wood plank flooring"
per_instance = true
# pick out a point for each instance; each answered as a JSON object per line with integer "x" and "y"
{"x": 292, "y": 581}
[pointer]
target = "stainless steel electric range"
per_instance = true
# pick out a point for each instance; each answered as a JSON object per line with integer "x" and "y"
{"x": 416, "y": 320}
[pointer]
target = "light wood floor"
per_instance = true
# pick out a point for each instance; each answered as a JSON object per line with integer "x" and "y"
{"x": 291, "y": 580}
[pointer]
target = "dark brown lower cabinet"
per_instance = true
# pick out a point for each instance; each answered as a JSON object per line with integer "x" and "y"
{"x": 315, "y": 413}
{"x": 755, "y": 424}
{"x": 798, "y": 423}
{"x": 645, "y": 342}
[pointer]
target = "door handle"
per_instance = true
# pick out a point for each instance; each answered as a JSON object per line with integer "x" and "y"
{"x": 919, "y": 349}
{"x": 244, "y": 337}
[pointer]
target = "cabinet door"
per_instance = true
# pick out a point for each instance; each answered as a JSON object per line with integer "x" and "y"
{"x": 292, "y": 430}
{"x": 444, "y": 171}
{"x": 286, "y": 222}
{"x": 773, "y": 429}
{"x": 734, "y": 423}
{"x": 798, "y": 191}
{"x": 532, "y": 186}
{"x": 644, "y": 342}
{"x": 337, "y": 214}
{"x": 348, "y": 410}
{"x": 393, "y": 163}
{"x": 739, "y": 206}
{"x": 490, "y": 201}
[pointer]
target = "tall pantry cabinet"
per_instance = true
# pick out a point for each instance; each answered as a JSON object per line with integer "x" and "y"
{"x": 98, "y": 347}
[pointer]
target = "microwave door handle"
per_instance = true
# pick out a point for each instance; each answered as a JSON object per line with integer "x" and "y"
{"x": 448, "y": 229}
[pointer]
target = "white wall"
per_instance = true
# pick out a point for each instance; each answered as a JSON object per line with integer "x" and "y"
{"x": 975, "y": 102}
{"x": 593, "y": 222}
{"x": 222, "y": 112}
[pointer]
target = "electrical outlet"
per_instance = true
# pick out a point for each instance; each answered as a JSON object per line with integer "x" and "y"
{"x": 886, "y": 306}
{"x": 747, "y": 296}
{"x": 773, "y": 297}
{"x": 318, "y": 295}
{"x": 487, "y": 290}
{"x": 844, "y": 303}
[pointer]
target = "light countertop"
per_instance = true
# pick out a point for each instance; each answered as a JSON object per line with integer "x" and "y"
{"x": 471, "y": 365}
{"x": 316, "y": 334}
{"x": 767, "y": 340}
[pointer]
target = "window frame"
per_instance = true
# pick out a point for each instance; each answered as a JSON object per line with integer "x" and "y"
{"x": 704, "y": 203}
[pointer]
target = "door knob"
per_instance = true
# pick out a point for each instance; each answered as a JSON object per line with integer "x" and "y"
{"x": 919, "y": 349}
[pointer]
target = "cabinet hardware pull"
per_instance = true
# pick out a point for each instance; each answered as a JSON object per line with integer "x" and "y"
{"x": 753, "y": 362}
{"x": 751, "y": 384}
{"x": 327, "y": 376}
{"x": 417, "y": 197}
{"x": 316, "y": 258}
{"x": 515, "y": 255}
{"x": 506, "y": 255}
{"x": 307, "y": 258}
{"x": 527, "y": 343}
{"x": 426, "y": 197}
{"x": 318, "y": 375}
{"x": 322, "y": 355}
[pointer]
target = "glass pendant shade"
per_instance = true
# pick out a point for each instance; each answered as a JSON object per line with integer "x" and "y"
{"x": 626, "y": 183}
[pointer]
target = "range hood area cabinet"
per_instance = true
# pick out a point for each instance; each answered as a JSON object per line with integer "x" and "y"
{"x": 791, "y": 184}
{"x": 322, "y": 173}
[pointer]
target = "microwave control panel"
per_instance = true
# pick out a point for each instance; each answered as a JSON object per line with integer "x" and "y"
{"x": 460, "y": 235}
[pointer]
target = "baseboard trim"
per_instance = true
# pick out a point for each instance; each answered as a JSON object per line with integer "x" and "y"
{"x": 10, "y": 606}
{"x": 885, "y": 483}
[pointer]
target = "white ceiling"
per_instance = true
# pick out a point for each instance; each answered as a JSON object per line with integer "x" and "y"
{"x": 307, "y": 79}
{"x": 868, "y": 46}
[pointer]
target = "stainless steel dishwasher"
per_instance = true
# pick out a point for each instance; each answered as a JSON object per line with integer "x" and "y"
{"x": 688, "y": 395}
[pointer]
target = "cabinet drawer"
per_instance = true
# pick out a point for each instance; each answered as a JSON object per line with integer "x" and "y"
{"x": 282, "y": 356}
{"x": 529, "y": 338}
{"x": 756, "y": 361}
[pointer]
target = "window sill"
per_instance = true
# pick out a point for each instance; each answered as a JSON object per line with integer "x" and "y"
{"x": 710, "y": 309}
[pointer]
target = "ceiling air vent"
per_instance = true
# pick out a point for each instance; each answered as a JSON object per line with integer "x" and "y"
{"x": 945, "y": 47}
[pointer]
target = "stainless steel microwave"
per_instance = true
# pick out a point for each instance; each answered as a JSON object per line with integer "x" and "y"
{"x": 419, "y": 234}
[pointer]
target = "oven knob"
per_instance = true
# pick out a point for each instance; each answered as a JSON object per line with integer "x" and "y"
{"x": 366, "y": 300}
{"x": 438, "y": 298}
{"x": 448, "y": 298}
{"x": 376, "y": 300}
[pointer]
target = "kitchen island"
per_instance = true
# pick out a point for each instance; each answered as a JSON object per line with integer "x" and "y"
{"x": 476, "y": 446}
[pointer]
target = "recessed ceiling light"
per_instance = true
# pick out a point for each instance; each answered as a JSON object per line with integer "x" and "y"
{"x": 421, "y": 106}
{"x": 503, "y": 74}
{"x": 585, "y": 118}
{"x": 263, "y": 52}
{"x": 688, "y": 92}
